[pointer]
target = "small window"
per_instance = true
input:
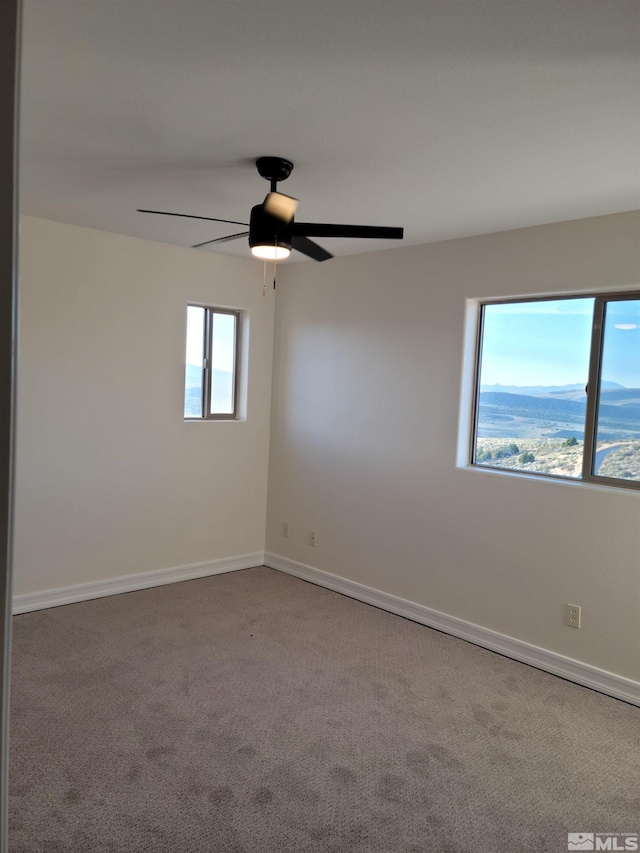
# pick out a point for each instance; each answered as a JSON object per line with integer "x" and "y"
{"x": 558, "y": 388}
{"x": 211, "y": 386}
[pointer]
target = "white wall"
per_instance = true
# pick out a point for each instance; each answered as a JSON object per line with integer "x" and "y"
{"x": 110, "y": 480}
{"x": 365, "y": 409}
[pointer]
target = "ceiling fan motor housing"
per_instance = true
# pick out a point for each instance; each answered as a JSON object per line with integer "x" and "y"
{"x": 266, "y": 230}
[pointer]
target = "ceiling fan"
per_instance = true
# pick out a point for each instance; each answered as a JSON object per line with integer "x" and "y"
{"x": 273, "y": 232}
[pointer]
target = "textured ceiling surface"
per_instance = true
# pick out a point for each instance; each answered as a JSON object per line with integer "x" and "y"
{"x": 447, "y": 117}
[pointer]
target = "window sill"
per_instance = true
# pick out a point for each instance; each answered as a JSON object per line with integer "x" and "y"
{"x": 550, "y": 478}
{"x": 213, "y": 420}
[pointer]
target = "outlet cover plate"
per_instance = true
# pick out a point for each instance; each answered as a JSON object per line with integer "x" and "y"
{"x": 572, "y": 615}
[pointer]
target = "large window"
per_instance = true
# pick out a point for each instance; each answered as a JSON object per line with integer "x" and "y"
{"x": 558, "y": 388}
{"x": 210, "y": 387}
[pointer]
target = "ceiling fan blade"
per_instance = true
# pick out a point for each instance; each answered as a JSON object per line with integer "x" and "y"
{"x": 309, "y": 248}
{"x": 281, "y": 206}
{"x": 318, "y": 229}
{"x": 189, "y": 216}
{"x": 221, "y": 239}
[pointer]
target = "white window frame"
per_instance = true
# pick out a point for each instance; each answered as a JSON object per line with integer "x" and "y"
{"x": 592, "y": 388}
{"x": 209, "y": 312}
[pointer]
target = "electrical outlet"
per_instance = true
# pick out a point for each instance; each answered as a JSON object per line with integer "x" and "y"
{"x": 312, "y": 538}
{"x": 572, "y": 614}
{"x": 285, "y": 529}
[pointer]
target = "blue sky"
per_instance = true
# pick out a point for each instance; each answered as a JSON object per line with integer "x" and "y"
{"x": 222, "y": 349}
{"x": 548, "y": 343}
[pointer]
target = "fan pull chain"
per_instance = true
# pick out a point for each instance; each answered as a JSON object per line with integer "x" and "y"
{"x": 275, "y": 252}
{"x": 264, "y": 278}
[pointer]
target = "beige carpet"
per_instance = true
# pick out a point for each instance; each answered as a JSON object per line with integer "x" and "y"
{"x": 255, "y": 713}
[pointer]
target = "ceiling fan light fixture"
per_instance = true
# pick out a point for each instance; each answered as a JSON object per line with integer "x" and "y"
{"x": 270, "y": 252}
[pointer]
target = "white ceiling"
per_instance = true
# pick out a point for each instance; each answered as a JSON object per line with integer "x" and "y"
{"x": 447, "y": 117}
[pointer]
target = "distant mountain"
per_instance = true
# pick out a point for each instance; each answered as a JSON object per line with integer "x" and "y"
{"x": 535, "y": 390}
{"x": 529, "y": 405}
{"x": 509, "y": 415}
{"x": 193, "y": 376}
{"x": 222, "y": 391}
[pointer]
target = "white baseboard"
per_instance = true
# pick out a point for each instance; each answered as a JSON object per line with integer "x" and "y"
{"x": 128, "y": 583}
{"x": 573, "y": 670}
